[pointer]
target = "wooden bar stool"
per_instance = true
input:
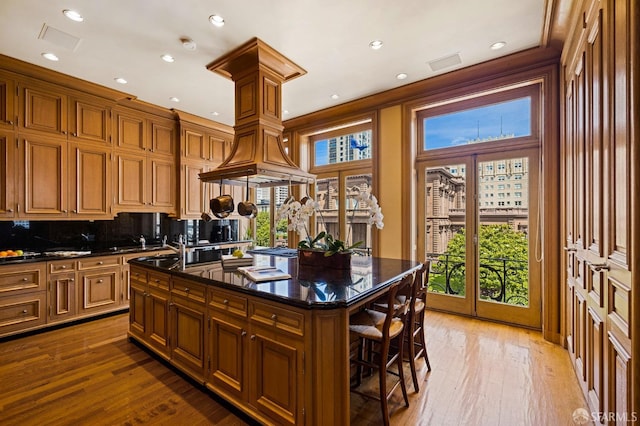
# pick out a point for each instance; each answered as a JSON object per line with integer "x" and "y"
{"x": 415, "y": 321}
{"x": 376, "y": 331}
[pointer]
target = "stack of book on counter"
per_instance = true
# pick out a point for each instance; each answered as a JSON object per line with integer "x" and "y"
{"x": 230, "y": 261}
{"x": 264, "y": 273}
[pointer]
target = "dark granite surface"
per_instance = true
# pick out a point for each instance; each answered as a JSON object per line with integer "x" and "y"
{"x": 325, "y": 290}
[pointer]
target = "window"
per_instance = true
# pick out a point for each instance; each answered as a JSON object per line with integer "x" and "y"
{"x": 503, "y": 120}
{"x": 517, "y": 186}
{"x": 517, "y": 177}
{"x": 342, "y": 148}
{"x": 518, "y": 194}
{"x": 501, "y": 186}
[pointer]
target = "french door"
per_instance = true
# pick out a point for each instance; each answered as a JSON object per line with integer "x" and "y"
{"x": 479, "y": 227}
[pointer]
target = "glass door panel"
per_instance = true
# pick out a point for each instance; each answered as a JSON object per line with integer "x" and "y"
{"x": 327, "y": 194}
{"x": 358, "y": 229}
{"x": 446, "y": 242}
{"x": 508, "y": 277}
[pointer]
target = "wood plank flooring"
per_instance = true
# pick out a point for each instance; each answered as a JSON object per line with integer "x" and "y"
{"x": 90, "y": 374}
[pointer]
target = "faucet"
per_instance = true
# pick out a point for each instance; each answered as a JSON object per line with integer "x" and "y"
{"x": 181, "y": 250}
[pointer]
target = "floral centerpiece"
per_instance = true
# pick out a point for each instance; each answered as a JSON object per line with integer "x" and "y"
{"x": 311, "y": 249}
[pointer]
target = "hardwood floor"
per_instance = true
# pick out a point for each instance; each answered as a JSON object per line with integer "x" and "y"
{"x": 90, "y": 374}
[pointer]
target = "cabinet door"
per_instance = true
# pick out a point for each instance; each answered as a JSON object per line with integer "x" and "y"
{"x": 43, "y": 177}
{"x": 131, "y": 181}
{"x": 98, "y": 290}
{"x": 89, "y": 120}
{"x": 187, "y": 336}
{"x": 90, "y": 179}
{"x": 62, "y": 297}
{"x": 130, "y": 131}
{"x": 276, "y": 371}
{"x": 43, "y": 108}
{"x": 157, "y": 320}
{"x": 195, "y": 144}
{"x": 193, "y": 191}
{"x": 7, "y": 175}
{"x": 7, "y": 102}
{"x": 163, "y": 185}
{"x": 228, "y": 357}
{"x": 137, "y": 309}
{"x": 163, "y": 137}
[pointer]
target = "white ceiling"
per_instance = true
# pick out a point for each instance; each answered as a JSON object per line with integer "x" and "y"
{"x": 328, "y": 38}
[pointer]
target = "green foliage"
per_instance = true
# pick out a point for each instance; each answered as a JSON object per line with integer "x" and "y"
{"x": 503, "y": 253}
{"x": 330, "y": 246}
{"x": 262, "y": 229}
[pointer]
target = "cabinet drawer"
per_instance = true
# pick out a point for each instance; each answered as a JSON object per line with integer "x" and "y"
{"x": 276, "y": 317}
{"x": 138, "y": 277}
{"x": 189, "y": 290}
{"x": 98, "y": 262}
{"x": 21, "y": 279}
{"x": 22, "y": 312}
{"x": 227, "y": 302}
{"x": 61, "y": 266}
{"x": 159, "y": 280}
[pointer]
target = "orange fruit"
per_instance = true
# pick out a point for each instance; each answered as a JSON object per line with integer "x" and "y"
{"x": 3, "y": 254}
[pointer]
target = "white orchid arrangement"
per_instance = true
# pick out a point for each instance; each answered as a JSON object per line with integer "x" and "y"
{"x": 298, "y": 214}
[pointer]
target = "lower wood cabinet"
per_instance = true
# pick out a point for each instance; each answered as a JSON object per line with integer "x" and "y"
{"x": 149, "y": 309}
{"x": 23, "y": 297}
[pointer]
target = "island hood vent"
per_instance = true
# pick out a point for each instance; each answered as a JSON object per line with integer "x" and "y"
{"x": 258, "y": 72}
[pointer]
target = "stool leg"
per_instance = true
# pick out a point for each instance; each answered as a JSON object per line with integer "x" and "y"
{"x": 403, "y": 385}
{"x": 382, "y": 370}
{"x": 412, "y": 351}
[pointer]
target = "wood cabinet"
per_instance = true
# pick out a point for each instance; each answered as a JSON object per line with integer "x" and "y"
{"x": 256, "y": 354}
{"x": 90, "y": 181}
{"x": 99, "y": 284}
{"x": 42, "y": 108}
{"x": 8, "y": 178}
{"x": 8, "y": 96}
{"x": 43, "y": 183}
{"x": 145, "y": 163}
{"x": 202, "y": 148}
{"x": 89, "y": 119}
{"x": 188, "y": 325}
{"x": 149, "y": 309}
{"x": 22, "y": 297}
{"x": 61, "y": 287}
{"x": 599, "y": 217}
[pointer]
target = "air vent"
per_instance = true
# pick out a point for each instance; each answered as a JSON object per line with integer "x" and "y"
{"x": 59, "y": 38}
{"x": 446, "y": 62}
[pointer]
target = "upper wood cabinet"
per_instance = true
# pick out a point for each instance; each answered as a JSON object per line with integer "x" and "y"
{"x": 89, "y": 181}
{"x": 90, "y": 120}
{"x": 144, "y": 162}
{"x": 8, "y": 98}
{"x": 7, "y": 175}
{"x": 43, "y": 184}
{"x": 42, "y": 108}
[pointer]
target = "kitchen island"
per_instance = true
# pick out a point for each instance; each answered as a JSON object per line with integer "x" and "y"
{"x": 277, "y": 350}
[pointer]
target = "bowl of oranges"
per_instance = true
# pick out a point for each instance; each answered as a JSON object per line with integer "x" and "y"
{"x": 11, "y": 253}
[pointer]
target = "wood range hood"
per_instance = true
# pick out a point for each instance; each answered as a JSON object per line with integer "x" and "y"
{"x": 257, "y": 153}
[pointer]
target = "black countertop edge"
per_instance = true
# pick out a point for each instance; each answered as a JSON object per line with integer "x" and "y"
{"x": 43, "y": 256}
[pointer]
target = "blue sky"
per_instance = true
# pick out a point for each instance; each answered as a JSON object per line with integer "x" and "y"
{"x": 459, "y": 128}
{"x": 322, "y": 152}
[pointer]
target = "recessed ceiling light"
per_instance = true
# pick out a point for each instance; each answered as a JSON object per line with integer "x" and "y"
{"x": 188, "y": 44}
{"x": 120, "y": 80}
{"x": 375, "y": 44}
{"x": 401, "y": 76}
{"x": 498, "y": 45}
{"x": 174, "y": 99}
{"x": 216, "y": 113}
{"x": 216, "y": 20}
{"x": 73, "y": 15}
{"x": 167, "y": 58}
{"x": 335, "y": 96}
{"x": 50, "y": 56}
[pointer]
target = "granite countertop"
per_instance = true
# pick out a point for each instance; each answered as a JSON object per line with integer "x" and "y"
{"x": 35, "y": 256}
{"x": 367, "y": 276}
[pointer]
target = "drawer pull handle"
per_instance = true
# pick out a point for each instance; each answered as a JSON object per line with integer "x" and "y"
{"x": 25, "y": 279}
{"x": 274, "y": 317}
{"x": 24, "y": 311}
{"x": 225, "y": 301}
{"x": 99, "y": 281}
{"x": 100, "y": 263}
{"x": 253, "y": 337}
{"x": 157, "y": 281}
{"x": 63, "y": 267}
{"x": 72, "y": 279}
{"x": 186, "y": 289}
{"x": 244, "y": 333}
